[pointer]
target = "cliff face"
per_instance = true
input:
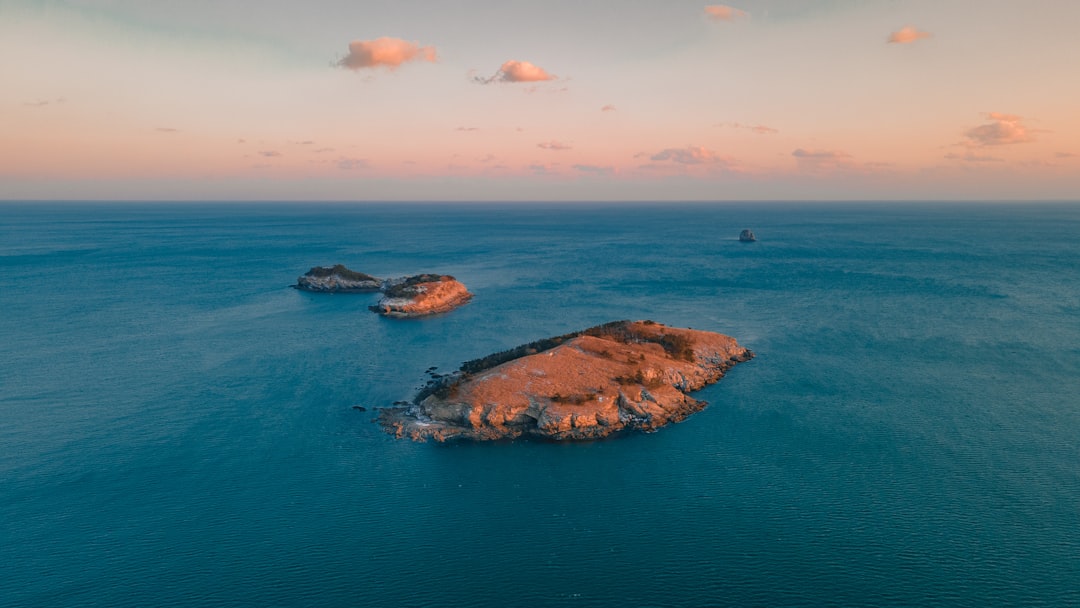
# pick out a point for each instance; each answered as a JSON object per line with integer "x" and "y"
{"x": 337, "y": 279}
{"x": 614, "y": 377}
{"x": 420, "y": 295}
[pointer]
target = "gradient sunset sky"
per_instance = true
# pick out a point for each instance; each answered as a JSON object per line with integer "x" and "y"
{"x": 554, "y": 100}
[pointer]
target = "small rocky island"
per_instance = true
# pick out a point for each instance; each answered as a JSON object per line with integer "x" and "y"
{"x": 337, "y": 279}
{"x": 421, "y": 295}
{"x": 747, "y": 236}
{"x": 620, "y": 376}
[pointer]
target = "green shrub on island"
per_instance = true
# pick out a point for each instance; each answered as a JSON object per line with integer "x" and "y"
{"x": 341, "y": 271}
{"x": 622, "y": 332}
{"x": 678, "y": 346}
{"x": 639, "y": 377}
{"x": 407, "y": 287}
{"x": 573, "y": 399}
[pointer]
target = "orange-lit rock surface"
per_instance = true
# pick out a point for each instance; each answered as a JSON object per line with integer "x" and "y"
{"x": 614, "y": 377}
{"x": 420, "y": 295}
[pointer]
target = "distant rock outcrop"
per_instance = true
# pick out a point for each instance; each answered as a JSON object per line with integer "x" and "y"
{"x": 337, "y": 279}
{"x": 747, "y": 236}
{"x": 615, "y": 377}
{"x": 421, "y": 295}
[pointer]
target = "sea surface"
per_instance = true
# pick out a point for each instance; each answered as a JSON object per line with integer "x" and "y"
{"x": 177, "y": 423}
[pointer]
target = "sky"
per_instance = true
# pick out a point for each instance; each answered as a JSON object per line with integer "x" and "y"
{"x": 558, "y": 100}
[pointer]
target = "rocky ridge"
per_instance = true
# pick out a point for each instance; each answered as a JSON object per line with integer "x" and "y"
{"x": 615, "y": 377}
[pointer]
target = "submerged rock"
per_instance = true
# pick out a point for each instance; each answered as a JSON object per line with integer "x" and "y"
{"x": 747, "y": 236}
{"x": 421, "y": 295}
{"x": 337, "y": 279}
{"x": 615, "y": 377}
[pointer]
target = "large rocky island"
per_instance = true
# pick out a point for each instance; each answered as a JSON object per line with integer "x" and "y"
{"x": 619, "y": 376}
{"x": 337, "y": 279}
{"x": 421, "y": 295}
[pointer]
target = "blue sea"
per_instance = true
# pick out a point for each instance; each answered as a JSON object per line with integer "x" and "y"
{"x": 177, "y": 423}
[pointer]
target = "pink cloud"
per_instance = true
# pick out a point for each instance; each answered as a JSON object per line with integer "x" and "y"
{"x": 722, "y": 12}
{"x": 554, "y": 145}
{"x": 907, "y": 35}
{"x": 517, "y": 71}
{"x": 595, "y": 169}
{"x": 384, "y": 52}
{"x": 1003, "y": 129}
{"x": 690, "y": 155}
{"x": 270, "y": 153}
{"x": 1065, "y": 155}
{"x": 608, "y": 108}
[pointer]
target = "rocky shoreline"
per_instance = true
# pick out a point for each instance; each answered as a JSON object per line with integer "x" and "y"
{"x": 421, "y": 295}
{"x": 620, "y": 376}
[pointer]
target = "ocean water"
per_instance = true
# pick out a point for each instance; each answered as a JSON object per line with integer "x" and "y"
{"x": 176, "y": 423}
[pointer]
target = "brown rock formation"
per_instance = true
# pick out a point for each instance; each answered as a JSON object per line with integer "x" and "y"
{"x": 614, "y": 377}
{"x": 421, "y": 295}
{"x": 337, "y": 279}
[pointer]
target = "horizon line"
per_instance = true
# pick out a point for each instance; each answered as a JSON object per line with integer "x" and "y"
{"x": 536, "y": 201}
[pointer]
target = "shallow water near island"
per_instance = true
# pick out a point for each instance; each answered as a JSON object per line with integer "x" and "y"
{"x": 177, "y": 429}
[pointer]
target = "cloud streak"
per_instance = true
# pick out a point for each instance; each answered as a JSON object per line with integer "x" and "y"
{"x": 554, "y": 145}
{"x": 907, "y": 35}
{"x": 690, "y": 155}
{"x": 517, "y": 71}
{"x": 539, "y": 169}
{"x": 972, "y": 157}
{"x": 385, "y": 52}
{"x": 756, "y": 129}
{"x": 723, "y": 12}
{"x": 595, "y": 170}
{"x": 41, "y": 103}
{"x": 351, "y": 164}
{"x": 818, "y": 160}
